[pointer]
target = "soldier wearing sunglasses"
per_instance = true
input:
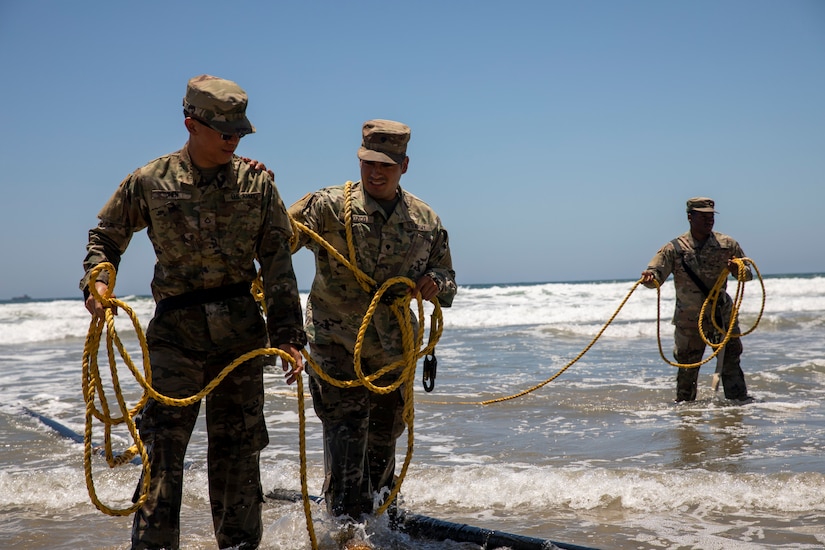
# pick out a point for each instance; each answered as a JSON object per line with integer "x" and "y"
{"x": 210, "y": 217}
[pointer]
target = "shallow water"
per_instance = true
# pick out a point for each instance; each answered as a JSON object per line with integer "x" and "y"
{"x": 598, "y": 457}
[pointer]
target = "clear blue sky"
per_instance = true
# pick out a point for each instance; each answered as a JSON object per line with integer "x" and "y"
{"x": 557, "y": 140}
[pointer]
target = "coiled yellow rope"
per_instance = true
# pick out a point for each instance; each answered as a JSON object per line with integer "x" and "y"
{"x": 710, "y": 300}
{"x": 92, "y": 385}
{"x": 411, "y": 343}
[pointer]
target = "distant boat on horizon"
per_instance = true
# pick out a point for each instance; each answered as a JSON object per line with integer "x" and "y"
{"x": 23, "y": 298}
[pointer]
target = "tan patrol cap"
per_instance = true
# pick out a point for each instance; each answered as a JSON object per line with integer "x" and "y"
{"x": 384, "y": 141}
{"x": 701, "y": 204}
{"x": 219, "y": 103}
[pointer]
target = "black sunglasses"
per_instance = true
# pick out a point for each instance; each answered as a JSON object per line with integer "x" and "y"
{"x": 225, "y": 137}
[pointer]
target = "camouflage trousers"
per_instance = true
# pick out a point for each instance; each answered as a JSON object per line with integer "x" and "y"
{"x": 360, "y": 430}
{"x": 689, "y": 348}
{"x": 237, "y": 433}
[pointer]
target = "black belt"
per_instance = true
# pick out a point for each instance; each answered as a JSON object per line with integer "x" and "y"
{"x": 203, "y": 296}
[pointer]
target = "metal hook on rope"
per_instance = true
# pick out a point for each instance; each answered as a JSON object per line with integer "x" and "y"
{"x": 430, "y": 366}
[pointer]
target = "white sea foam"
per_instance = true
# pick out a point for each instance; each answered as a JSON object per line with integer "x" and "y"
{"x": 599, "y": 455}
{"x": 577, "y": 308}
{"x": 515, "y": 486}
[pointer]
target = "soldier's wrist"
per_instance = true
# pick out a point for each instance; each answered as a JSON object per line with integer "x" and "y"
{"x": 437, "y": 281}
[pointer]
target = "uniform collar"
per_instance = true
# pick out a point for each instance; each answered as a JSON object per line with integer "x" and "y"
{"x": 228, "y": 177}
{"x": 371, "y": 206}
{"x": 711, "y": 241}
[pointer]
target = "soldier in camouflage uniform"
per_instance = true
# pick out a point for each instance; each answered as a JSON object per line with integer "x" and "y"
{"x": 209, "y": 216}
{"x": 706, "y": 253}
{"x": 396, "y": 234}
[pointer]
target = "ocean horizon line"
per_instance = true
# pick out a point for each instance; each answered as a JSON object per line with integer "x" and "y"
{"x": 25, "y": 298}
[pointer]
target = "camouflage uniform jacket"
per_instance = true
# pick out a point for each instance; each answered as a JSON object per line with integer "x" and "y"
{"x": 409, "y": 243}
{"x": 707, "y": 262}
{"x": 205, "y": 236}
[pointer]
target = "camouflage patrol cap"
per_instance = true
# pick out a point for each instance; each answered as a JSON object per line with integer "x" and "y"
{"x": 700, "y": 204}
{"x": 384, "y": 141}
{"x": 219, "y": 103}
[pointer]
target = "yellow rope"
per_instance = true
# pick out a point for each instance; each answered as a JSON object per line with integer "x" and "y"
{"x": 93, "y": 388}
{"x": 92, "y": 385}
{"x": 711, "y": 299}
{"x": 302, "y": 447}
{"x": 410, "y": 341}
{"x": 559, "y": 372}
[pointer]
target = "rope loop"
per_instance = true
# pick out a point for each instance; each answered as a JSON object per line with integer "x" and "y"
{"x": 412, "y": 340}
{"x": 713, "y": 297}
{"x": 97, "y": 402}
{"x": 93, "y": 391}
{"x": 412, "y": 350}
{"x": 710, "y": 304}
